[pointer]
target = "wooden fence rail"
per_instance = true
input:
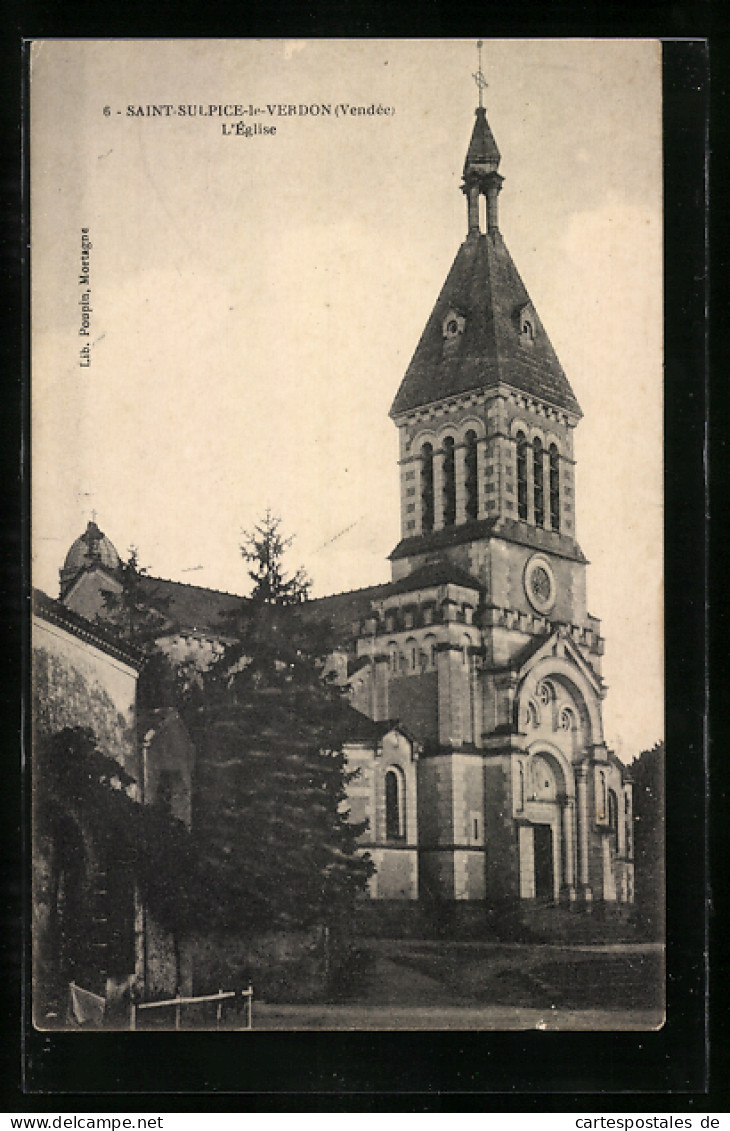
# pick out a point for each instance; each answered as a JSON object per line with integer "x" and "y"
{"x": 179, "y": 1001}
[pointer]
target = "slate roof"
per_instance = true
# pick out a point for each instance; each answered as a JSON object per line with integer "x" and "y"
{"x": 482, "y": 146}
{"x": 190, "y": 607}
{"x": 193, "y": 608}
{"x": 356, "y": 727}
{"x": 102, "y": 637}
{"x": 499, "y": 527}
{"x": 442, "y": 572}
{"x": 442, "y": 539}
{"x": 343, "y": 610}
{"x": 484, "y": 286}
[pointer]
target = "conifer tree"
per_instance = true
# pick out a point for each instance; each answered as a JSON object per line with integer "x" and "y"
{"x": 270, "y": 815}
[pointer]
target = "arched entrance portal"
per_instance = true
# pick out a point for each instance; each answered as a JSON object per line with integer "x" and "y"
{"x": 546, "y": 836}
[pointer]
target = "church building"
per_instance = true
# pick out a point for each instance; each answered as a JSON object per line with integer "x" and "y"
{"x": 482, "y": 646}
{"x": 474, "y": 675}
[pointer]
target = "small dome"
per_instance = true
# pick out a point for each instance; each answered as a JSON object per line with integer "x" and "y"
{"x": 90, "y": 549}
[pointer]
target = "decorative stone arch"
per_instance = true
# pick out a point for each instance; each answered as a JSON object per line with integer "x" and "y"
{"x": 558, "y": 669}
{"x": 530, "y": 715}
{"x": 551, "y": 438}
{"x": 469, "y": 424}
{"x": 519, "y": 425}
{"x": 424, "y": 436}
{"x": 447, "y": 430}
{"x": 564, "y": 776}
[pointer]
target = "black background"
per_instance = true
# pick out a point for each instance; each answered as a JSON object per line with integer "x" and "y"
{"x": 669, "y": 1070}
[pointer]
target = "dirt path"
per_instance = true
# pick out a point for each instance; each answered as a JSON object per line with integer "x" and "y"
{"x": 439, "y": 1017}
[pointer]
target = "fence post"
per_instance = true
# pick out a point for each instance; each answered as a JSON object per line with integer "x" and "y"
{"x": 250, "y": 1006}
{"x": 326, "y": 955}
{"x": 219, "y": 1010}
{"x": 133, "y": 1016}
{"x": 178, "y": 1009}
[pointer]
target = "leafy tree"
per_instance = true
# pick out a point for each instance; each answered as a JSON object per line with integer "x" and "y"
{"x": 647, "y": 772}
{"x": 270, "y": 816}
{"x": 100, "y": 837}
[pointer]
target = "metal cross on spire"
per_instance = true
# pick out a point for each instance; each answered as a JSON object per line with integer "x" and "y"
{"x": 478, "y": 77}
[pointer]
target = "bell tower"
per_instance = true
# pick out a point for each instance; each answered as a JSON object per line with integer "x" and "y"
{"x": 482, "y": 646}
{"x": 485, "y": 416}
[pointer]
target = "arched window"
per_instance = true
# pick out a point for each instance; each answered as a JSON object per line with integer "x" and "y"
{"x": 522, "y": 476}
{"x": 470, "y": 462}
{"x": 393, "y": 658}
{"x": 602, "y": 800}
{"x": 546, "y": 693}
{"x": 427, "y": 488}
{"x": 395, "y": 826}
{"x": 411, "y": 652}
{"x": 521, "y": 789}
{"x": 567, "y": 719}
{"x": 538, "y": 481}
{"x": 429, "y": 646}
{"x": 449, "y": 482}
{"x": 554, "y": 487}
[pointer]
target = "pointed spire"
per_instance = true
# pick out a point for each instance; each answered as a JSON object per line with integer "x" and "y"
{"x": 482, "y": 155}
{"x": 481, "y": 164}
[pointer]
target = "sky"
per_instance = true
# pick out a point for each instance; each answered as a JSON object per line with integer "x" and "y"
{"x": 255, "y": 300}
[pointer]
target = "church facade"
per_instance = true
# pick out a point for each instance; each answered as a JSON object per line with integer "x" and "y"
{"x": 474, "y": 675}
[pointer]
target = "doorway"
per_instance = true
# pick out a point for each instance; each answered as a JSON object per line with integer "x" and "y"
{"x": 544, "y": 876}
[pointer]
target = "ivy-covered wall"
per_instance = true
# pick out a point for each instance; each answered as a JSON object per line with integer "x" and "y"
{"x": 76, "y": 684}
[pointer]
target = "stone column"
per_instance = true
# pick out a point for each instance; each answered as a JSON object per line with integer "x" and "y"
{"x": 493, "y": 189}
{"x": 530, "y": 483}
{"x": 438, "y": 490}
{"x": 460, "y": 482}
{"x": 581, "y": 774}
{"x": 569, "y": 849}
{"x": 481, "y": 479}
{"x": 380, "y": 696}
{"x": 473, "y": 208}
{"x": 475, "y": 698}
